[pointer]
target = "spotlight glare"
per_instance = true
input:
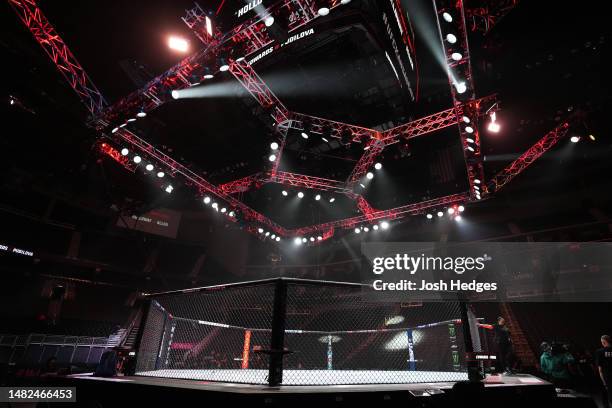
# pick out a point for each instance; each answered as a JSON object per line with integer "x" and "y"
{"x": 124, "y": 151}
{"x": 312, "y": 239}
{"x": 447, "y": 17}
{"x": 178, "y": 44}
{"x": 469, "y": 140}
{"x": 466, "y": 119}
{"x": 440, "y": 214}
{"x": 477, "y": 181}
{"x": 267, "y": 233}
{"x": 160, "y": 174}
{"x": 323, "y": 11}
{"x": 456, "y": 56}
{"x": 461, "y": 87}
{"x": 304, "y": 240}
{"x": 269, "y": 21}
{"x": 273, "y": 236}
{"x": 297, "y": 241}
{"x": 384, "y": 225}
{"x": 274, "y": 146}
{"x": 357, "y": 230}
{"x": 366, "y": 229}
{"x": 277, "y": 239}
{"x": 461, "y": 208}
{"x": 469, "y": 129}
{"x": 318, "y": 197}
{"x": 319, "y": 238}
{"x": 137, "y": 159}
{"x": 305, "y": 135}
{"x": 331, "y": 200}
{"x": 470, "y": 148}
{"x": 493, "y": 127}
{"x": 458, "y": 218}
{"x": 575, "y": 139}
{"x": 300, "y": 195}
{"x": 272, "y": 157}
{"x": 207, "y": 200}
{"x": 224, "y": 210}
{"x": 141, "y": 114}
{"x": 370, "y": 175}
{"x": 260, "y": 230}
{"x": 375, "y": 227}
{"x": 175, "y": 94}
{"x": 284, "y": 193}
{"x": 378, "y": 166}
{"x": 169, "y": 188}
{"x": 451, "y": 38}
{"x": 215, "y": 206}
{"x": 429, "y": 216}
{"x": 149, "y": 167}
{"x": 451, "y": 210}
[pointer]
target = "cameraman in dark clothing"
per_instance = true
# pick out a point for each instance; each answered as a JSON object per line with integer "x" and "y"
{"x": 504, "y": 346}
{"x": 603, "y": 360}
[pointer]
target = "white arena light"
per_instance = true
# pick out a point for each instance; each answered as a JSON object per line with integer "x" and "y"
{"x": 461, "y": 87}
{"x": 273, "y": 236}
{"x": 466, "y": 119}
{"x": 469, "y": 129}
{"x": 319, "y": 238}
{"x": 331, "y": 200}
{"x": 345, "y": 1}
{"x": 458, "y": 218}
{"x": 575, "y": 139}
{"x": 224, "y": 210}
{"x": 137, "y": 159}
{"x": 141, "y": 114}
{"x": 169, "y": 188}
{"x": 224, "y": 68}
{"x": 318, "y": 197}
{"x": 273, "y": 145}
{"x": 323, "y": 11}
{"x": 160, "y": 174}
{"x": 272, "y": 157}
{"x": 178, "y": 44}
{"x": 284, "y": 193}
{"x": 477, "y": 181}
{"x": 301, "y": 195}
{"x": 456, "y": 56}
{"x": 304, "y": 135}
{"x": 149, "y": 167}
{"x": 447, "y": 17}
{"x": 231, "y": 214}
{"x": 175, "y": 94}
{"x": 384, "y": 225}
{"x": 269, "y": 21}
{"x": 206, "y": 200}
{"x": 461, "y": 208}
{"x": 260, "y": 230}
{"x": 124, "y": 151}
{"x": 297, "y": 241}
{"x": 277, "y": 239}
{"x": 357, "y": 230}
{"x": 366, "y": 229}
{"x": 378, "y": 166}
{"x": 429, "y": 216}
{"x": 312, "y": 239}
{"x": 451, "y": 38}
{"x": 370, "y": 175}
{"x": 267, "y": 233}
{"x": 375, "y": 227}
{"x": 114, "y": 130}
{"x": 215, "y": 206}
{"x": 493, "y": 126}
{"x": 304, "y": 240}
{"x": 440, "y": 214}
{"x": 451, "y": 210}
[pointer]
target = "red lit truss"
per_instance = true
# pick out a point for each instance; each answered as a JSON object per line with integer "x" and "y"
{"x": 249, "y": 38}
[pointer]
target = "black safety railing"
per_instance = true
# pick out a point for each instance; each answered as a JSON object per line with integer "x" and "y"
{"x": 301, "y": 332}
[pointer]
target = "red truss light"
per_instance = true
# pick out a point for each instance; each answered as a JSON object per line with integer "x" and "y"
{"x": 249, "y": 38}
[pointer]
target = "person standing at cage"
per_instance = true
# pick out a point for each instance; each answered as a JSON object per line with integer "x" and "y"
{"x": 504, "y": 346}
{"x": 603, "y": 361}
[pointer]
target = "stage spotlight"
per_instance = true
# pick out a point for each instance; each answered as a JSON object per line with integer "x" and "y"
{"x": 370, "y": 175}
{"x": 297, "y": 241}
{"x": 440, "y": 213}
{"x": 318, "y": 197}
{"x": 366, "y": 229}
{"x": 269, "y": 21}
{"x": 357, "y": 230}
{"x": 215, "y": 206}
{"x": 304, "y": 240}
{"x": 260, "y": 230}
{"x": 447, "y": 17}
{"x": 149, "y": 167}
{"x": 312, "y": 239}
{"x": 223, "y": 65}
{"x": 131, "y": 120}
{"x": 232, "y": 214}
{"x": 493, "y": 125}
{"x": 323, "y": 11}
{"x": 300, "y": 195}
{"x": 122, "y": 125}
{"x": 169, "y": 188}
{"x": 137, "y": 159}
{"x": 305, "y": 135}
{"x": 175, "y": 94}
{"x": 471, "y": 149}
{"x": 324, "y": 139}
{"x": 429, "y": 216}
{"x": 284, "y": 193}
{"x": 160, "y": 174}
{"x": 575, "y": 139}
{"x": 178, "y": 44}
{"x": 274, "y": 146}
{"x": 345, "y": 1}
{"x": 477, "y": 181}
{"x": 272, "y": 157}
{"x": 319, "y": 238}
{"x": 124, "y": 151}
{"x": 592, "y": 137}
{"x": 141, "y": 114}
{"x": 456, "y": 56}
{"x": 114, "y": 130}
{"x": 273, "y": 236}
{"x": 224, "y": 210}
{"x": 208, "y": 75}
{"x": 277, "y": 239}
{"x": 331, "y": 200}
{"x": 240, "y": 59}
{"x": 458, "y": 218}
{"x": 451, "y": 210}
{"x": 384, "y": 225}
{"x": 469, "y": 129}
{"x": 207, "y": 200}
{"x": 461, "y": 208}
{"x": 378, "y": 166}
{"x": 267, "y": 234}
{"x": 466, "y": 119}
{"x": 461, "y": 87}
{"x": 451, "y": 38}
{"x": 375, "y": 227}
{"x": 469, "y": 140}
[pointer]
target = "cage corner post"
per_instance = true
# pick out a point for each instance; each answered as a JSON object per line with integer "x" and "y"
{"x": 472, "y": 364}
{"x": 277, "y": 340}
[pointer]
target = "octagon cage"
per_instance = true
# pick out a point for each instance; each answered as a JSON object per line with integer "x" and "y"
{"x": 299, "y": 332}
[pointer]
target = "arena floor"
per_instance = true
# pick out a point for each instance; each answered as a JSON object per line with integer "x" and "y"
{"x": 314, "y": 377}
